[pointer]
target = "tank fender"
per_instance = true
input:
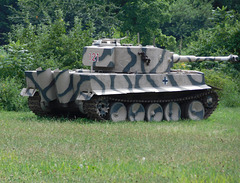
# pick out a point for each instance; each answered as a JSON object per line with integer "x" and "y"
{"x": 28, "y": 92}
{"x": 84, "y": 96}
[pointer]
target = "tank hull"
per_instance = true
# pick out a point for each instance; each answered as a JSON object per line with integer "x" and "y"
{"x": 81, "y": 92}
{"x": 68, "y": 86}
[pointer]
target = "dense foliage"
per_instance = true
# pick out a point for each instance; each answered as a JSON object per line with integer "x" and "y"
{"x": 5, "y": 22}
{"x": 52, "y": 45}
{"x": 46, "y": 33}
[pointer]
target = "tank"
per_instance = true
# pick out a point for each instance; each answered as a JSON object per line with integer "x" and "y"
{"x": 125, "y": 82}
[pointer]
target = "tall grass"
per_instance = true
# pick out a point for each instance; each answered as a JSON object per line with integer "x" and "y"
{"x": 34, "y": 149}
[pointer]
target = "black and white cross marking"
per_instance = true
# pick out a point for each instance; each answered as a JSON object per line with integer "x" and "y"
{"x": 165, "y": 80}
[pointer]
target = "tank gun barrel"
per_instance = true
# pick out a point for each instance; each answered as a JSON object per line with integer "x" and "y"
{"x": 191, "y": 58}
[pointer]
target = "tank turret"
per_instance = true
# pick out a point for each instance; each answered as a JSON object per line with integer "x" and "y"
{"x": 125, "y": 82}
{"x": 108, "y": 55}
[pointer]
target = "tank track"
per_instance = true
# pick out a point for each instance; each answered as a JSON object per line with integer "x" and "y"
{"x": 35, "y": 106}
{"x": 91, "y": 106}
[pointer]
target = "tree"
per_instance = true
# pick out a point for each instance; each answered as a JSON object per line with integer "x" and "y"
{"x": 144, "y": 17}
{"x": 108, "y": 16}
{"x": 221, "y": 39}
{"x": 230, "y": 4}
{"x": 5, "y": 23}
{"x": 51, "y": 45}
{"x": 101, "y": 13}
{"x": 187, "y": 16}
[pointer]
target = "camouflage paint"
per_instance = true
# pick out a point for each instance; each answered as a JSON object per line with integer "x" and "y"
{"x": 125, "y": 59}
{"x": 196, "y": 110}
{"x": 118, "y": 112}
{"x": 172, "y": 111}
{"x": 67, "y": 86}
{"x": 154, "y": 112}
{"x": 136, "y": 112}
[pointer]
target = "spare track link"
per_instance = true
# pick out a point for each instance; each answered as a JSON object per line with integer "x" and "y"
{"x": 91, "y": 106}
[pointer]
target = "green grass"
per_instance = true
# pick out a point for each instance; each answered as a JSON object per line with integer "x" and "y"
{"x": 34, "y": 149}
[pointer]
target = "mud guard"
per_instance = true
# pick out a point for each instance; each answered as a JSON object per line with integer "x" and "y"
{"x": 28, "y": 92}
{"x": 84, "y": 96}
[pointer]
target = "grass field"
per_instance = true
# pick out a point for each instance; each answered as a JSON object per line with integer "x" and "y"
{"x": 36, "y": 149}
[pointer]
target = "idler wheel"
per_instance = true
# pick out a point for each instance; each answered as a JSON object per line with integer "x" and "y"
{"x": 172, "y": 111}
{"x": 210, "y": 100}
{"x": 195, "y": 110}
{"x": 118, "y": 112}
{"x": 154, "y": 112}
{"x": 136, "y": 112}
